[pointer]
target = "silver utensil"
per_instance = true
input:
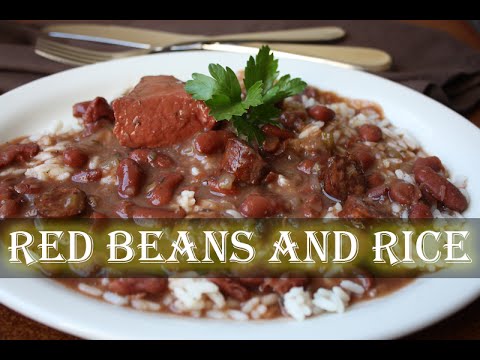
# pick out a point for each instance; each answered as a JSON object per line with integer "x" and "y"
{"x": 360, "y": 58}
{"x": 158, "y": 40}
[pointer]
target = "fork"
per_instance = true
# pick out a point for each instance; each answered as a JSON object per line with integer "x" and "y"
{"x": 343, "y": 56}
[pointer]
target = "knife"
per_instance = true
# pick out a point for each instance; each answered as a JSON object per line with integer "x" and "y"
{"x": 157, "y": 40}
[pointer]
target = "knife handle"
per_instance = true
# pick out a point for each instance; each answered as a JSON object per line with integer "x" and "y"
{"x": 367, "y": 58}
{"x": 324, "y": 33}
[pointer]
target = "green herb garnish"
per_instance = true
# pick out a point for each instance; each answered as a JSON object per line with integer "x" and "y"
{"x": 223, "y": 95}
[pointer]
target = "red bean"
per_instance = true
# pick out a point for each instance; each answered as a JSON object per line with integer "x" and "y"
{"x": 313, "y": 206}
{"x": 270, "y": 177}
{"x": 9, "y": 208}
{"x": 212, "y": 141}
{"x": 130, "y": 286}
{"x": 370, "y": 132}
{"x": 404, "y": 193}
{"x": 432, "y": 162}
{"x": 130, "y": 178}
{"x": 98, "y": 215}
{"x": 375, "y": 179}
{"x": 152, "y": 157}
{"x": 80, "y": 108}
{"x": 306, "y": 166}
{"x": 163, "y": 192}
{"x": 440, "y": 188}
{"x": 87, "y": 176}
{"x": 321, "y": 113}
{"x": 362, "y": 154}
{"x": 29, "y": 186}
{"x": 378, "y": 192}
{"x": 310, "y": 92}
{"x": 75, "y": 158}
{"x": 271, "y": 144}
{"x": 98, "y": 109}
{"x": 257, "y": 206}
{"x": 426, "y": 196}
{"x": 272, "y": 130}
{"x": 293, "y": 120}
{"x": 232, "y": 288}
{"x": 420, "y": 211}
{"x": 6, "y": 192}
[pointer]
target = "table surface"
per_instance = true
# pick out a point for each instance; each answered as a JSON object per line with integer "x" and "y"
{"x": 463, "y": 325}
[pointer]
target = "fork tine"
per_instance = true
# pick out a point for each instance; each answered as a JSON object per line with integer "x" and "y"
{"x": 60, "y": 59}
{"x": 72, "y": 52}
{"x": 75, "y": 55}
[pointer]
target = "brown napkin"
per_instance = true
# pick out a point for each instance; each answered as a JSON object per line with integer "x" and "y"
{"x": 426, "y": 60}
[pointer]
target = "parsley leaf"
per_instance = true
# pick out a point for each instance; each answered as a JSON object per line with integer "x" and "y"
{"x": 262, "y": 68}
{"x": 222, "y": 93}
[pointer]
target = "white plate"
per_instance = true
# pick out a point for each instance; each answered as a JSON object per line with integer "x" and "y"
{"x": 35, "y": 106}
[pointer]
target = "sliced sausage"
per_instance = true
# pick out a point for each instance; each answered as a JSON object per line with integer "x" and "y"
{"x": 356, "y": 208}
{"x": 130, "y": 286}
{"x": 87, "y": 176}
{"x": 369, "y": 132}
{"x": 440, "y": 188}
{"x": 420, "y": 211}
{"x": 363, "y": 155}
{"x": 375, "y": 179}
{"x": 343, "y": 177}
{"x": 127, "y": 210}
{"x": 321, "y": 113}
{"x": 163, "y": 192}
{"x": 404, "y": 193}
{"x": 61, "y": 202}
{"x": 29, "y": 186}
{"x": 243, "y": 161}
{"x": 153, "y": 157}
{"x": 224, "y": 184}
{"x": 75, "y": 158}
{"x": 313, "y": 206}
{"x": 130, "y": 178}
{"x": 232, "y": 288}
{"x": 283, "y": 285}
{"x": 211, "y": 142}
{"x": 9, "y": 208}
{"x": 18, "y": 153}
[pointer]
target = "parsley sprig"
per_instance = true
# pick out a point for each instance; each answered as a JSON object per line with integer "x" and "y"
{"x": 223, "y": 94}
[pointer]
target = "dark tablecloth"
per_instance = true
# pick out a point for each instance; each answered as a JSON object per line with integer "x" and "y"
{"x": 429, "y": 61}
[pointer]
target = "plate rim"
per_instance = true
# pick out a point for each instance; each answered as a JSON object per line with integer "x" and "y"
{"x": 9, "y": 299}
